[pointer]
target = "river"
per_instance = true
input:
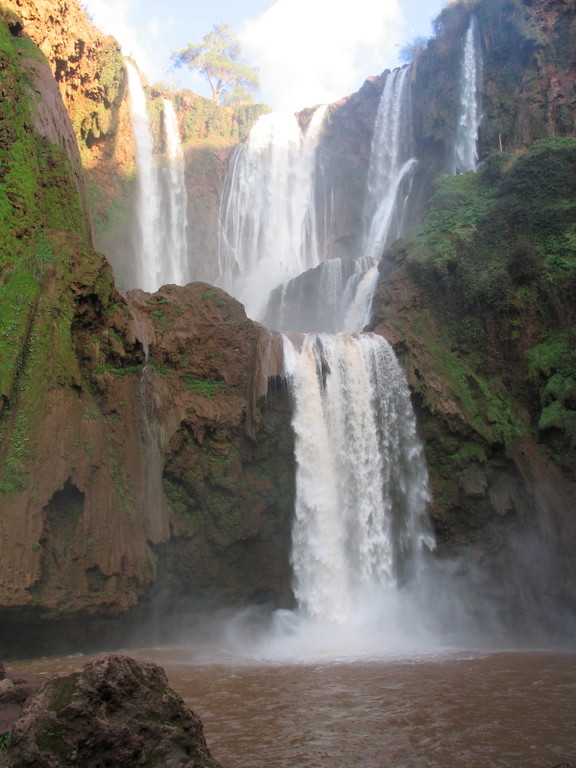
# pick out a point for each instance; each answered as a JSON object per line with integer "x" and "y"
{"x": 478, "y": 709}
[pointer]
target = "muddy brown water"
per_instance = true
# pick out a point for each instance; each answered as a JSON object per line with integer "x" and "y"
{"x": 510, "y": 710}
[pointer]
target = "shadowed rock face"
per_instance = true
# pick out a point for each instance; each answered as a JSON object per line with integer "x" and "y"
{"x": 114, "y": 712}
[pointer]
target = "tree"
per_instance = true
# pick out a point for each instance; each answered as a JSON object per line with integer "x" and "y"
{"x": 411, "y": 50}
{"x": 217, "y": 57}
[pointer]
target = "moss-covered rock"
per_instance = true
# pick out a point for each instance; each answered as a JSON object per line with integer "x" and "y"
{"x": 115, "y": 710}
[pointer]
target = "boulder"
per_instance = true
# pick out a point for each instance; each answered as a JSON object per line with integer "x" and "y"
{"x": 116, "y": 711}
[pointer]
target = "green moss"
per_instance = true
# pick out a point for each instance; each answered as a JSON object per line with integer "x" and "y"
{"x": 204, "y": 387}
{"x": 63, "y": 694}
{"x": 50, "y": 740}
{"x": 456, "y": 207}
{"x": 5, "y": 741}
{"x": 204, "y": 120}
{"x": 469, "y": 452}
{"x": 552, "y": 370}
{"x": 94, "y": 118}
{"x": 106, "y": 368}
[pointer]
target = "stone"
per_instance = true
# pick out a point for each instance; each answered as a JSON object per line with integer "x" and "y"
{"x": 474, "y": 483}
{"x": 115, "y": 711}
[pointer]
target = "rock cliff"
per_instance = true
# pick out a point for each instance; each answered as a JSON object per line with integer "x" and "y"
{"x": 90, "y": 71}
{"x": 146, "y": 450}
{"x": 480, "y": 309}
{"x": 96, "y": 388}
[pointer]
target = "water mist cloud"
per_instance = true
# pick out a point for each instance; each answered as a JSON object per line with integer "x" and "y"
{"x": 316, "y": 51}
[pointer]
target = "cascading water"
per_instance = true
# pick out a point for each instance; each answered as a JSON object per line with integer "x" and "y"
{"x": 176, "y": 216}
{"x": 267, "y": 218}
{"x": 147, "y": 232}
{"x": 465, "y": 150}
{"x": 361, "y": 483}
{"x": 160, "y": 246}
{"x": 389, "y": 183}
{"x": 302, "y": 303}
{"x": 360, "y": 526}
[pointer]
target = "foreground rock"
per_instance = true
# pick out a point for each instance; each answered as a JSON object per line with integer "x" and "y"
{"x": 14, "y": 691}
{"x": 116, "y": 711}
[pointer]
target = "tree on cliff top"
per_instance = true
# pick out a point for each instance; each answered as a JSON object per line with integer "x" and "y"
{"x": 218, "y": 59}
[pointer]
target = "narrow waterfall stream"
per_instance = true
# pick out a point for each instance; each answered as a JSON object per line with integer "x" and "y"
{"x": 176, "y": 201}
{"x": 160, "y": 231}
{"x": 148, "y": 222}
{"x": 470, "y": 113}
{"x": 391, "y": 165}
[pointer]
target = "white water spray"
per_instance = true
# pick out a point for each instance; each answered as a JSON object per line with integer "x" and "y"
{"x": 268, "y": 219}
{"x": 465, "y": 150}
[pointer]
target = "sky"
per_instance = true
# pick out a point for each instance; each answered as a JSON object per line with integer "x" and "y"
{"x": 307, "y": 52}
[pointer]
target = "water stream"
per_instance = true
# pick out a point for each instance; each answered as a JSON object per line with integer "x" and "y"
{"x": 160, "y": 230}
{"x": 147, "y": 229}
{"x": 176, "y": 216}
{"x": 470, "y": 114}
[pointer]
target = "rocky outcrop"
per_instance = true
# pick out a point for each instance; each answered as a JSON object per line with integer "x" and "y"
{"x": 114, "y": 711}
{"x": 481, "y": 313}
{"x": 100, "y": 395}
{"x": 15, "y": 690}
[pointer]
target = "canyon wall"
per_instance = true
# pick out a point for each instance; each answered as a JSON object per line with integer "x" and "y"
{"x": 97, "y": 387}
{"x": 479, "y": 304}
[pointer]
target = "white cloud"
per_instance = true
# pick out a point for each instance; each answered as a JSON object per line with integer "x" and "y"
{"x": 316, "y": 51}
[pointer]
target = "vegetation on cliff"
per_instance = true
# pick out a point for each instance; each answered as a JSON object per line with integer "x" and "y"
{"x": 218, "y": 59}
{"x": 37, "y": 198}
{"x": 489, "y": 331}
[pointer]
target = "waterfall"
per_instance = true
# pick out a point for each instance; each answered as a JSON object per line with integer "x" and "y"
{"x": 390, "y": 174}
{"x": 267, "y": 219}
{"x": 147, "y": 231}
{"x": 391, "y": 165}
{"x": 338, "y": 295}
{"x": 361, "y": 482}
{"x": 360, "y": 526}
{"x": 177, "y": 201}
{"x": 465, "y": 152}
{"x": 160, "y": 247}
